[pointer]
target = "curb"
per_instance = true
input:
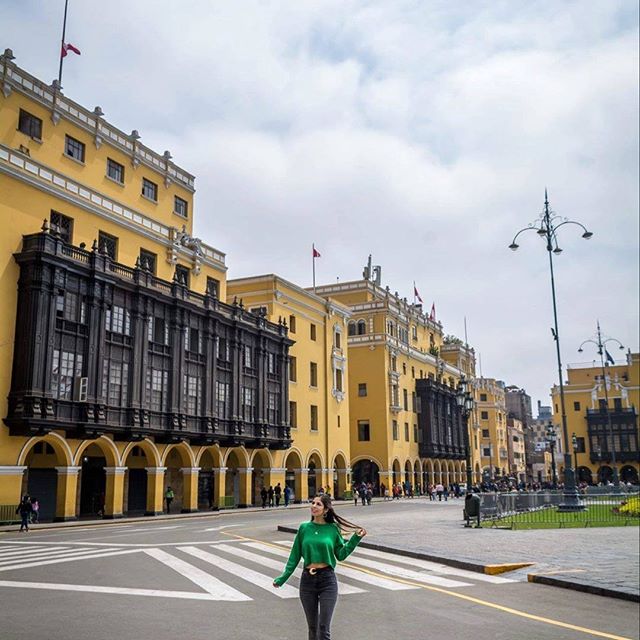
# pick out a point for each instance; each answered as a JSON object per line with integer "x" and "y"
{"x": 452, "y": 562}
{"x": 540, "y": 578}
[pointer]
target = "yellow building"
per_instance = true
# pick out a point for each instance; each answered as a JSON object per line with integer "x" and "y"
{"x": 588, "y": 418}
{"x": 122, "y": 371}
{"x": 516, "y": 450}
{"x": 318, "y": 380}
{"x": 492, "y": 418}
{"x": 404, "y": 421}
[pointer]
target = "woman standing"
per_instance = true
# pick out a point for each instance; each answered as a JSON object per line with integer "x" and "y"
{"x": 320, "y": 543}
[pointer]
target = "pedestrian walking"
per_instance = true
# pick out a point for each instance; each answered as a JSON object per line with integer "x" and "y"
{"x": 278, "y": 494}
{"x": 439, "y": 491}
{"x": 24, "y": 509}
{"x": 270, "y": 494}
{"x": 35, "y": 510}
{"x": 169, "y": 496}
{"x": 320, "y": 544}
{"x": 287, "y": 495}
{"x": 356, "y": 495}
{"x": 263, "y": 496}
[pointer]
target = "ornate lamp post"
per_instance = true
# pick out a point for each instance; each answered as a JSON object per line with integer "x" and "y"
{"x": 551, "y": 437}
{"x": 547, "y": 228}
{"x": 602, "y": 351}
{"x": 574, "y": 444}
{"x": 465, "y": 401}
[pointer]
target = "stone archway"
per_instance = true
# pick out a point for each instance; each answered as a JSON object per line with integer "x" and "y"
{"x": 340, "y": 480}
{"x": 181, "y": 477}
{"x": 629, "y": 474}
{"x": 397, "y": 477}
{"x": 314, "y": 475}
{"x": 366, "y": 471}
{"x": 237, "y": 478}
{"x": 585, "y": 475}
{"x": 261, "y": 464}
{"x": 209, "y": 484}
{"x": 605, "y": 474}
{"x": 296, "y": 476}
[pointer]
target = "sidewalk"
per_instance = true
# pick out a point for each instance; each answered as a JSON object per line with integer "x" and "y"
{"x": 604, "y": 561}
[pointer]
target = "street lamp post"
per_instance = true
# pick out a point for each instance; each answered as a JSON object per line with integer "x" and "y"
{"x": 602, "y": 351}
{"x": 547, "y": 228}
{"x": 574, "y": 444}
{"x": 551, "y": 437}
{"x": 465, "y": 402}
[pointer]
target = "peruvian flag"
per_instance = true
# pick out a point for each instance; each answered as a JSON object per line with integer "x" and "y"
{"x": 415, "y": 293}
{"x": 432, "y": 315}
{"x": 66, "y": 47}
{"x": 316, "y": 253}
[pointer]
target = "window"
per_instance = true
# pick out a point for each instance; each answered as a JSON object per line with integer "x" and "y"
{"x": 180, "y": 207}
{"x": 617, "y": 404}
{"x": 339, "y": 380}
{"x": 394, "y": 363}
{"x": 248, "y": 403}
{"x": 362, "y": 327}
{"x": 108, "y": 244}
{"x": 351, "y": 329}
{"x": 213, "y": 287}
{"x": 148, "y": 260}
{"x": 223, "y": 350}
{"x": 580, "y": 445}
{"x": 414, "y": 402}
{"x": 314, "y": 417}
{"x": 222, "y": 398}
{"x": 362, "y": 389}
{"x": 158, "y": 389}
{"x": 158, "y": 331}
{"x": 483, "y": 397}
{"x": 484, "y": 415}
{"x": 115, "y": 382}
{"x": 182, "y": 275}
{"x": 486, "y": 452}
{"x": 406, "y": 431}
{"x": 415, "y": 433}
{"x": 337, "y": 340}
{"x": 248, "y": 357}
{"x": 272, "y": 367}
{"x": 292, "y": 324}
{"x": 313, "y": 374}
{"x": 192, "y": 340}
{"x": 117, "y": 320}
{"x": 29, "y": 124}
{"x": 65, "y": 366}
{"x": 63, "y": 225}
{"x": 70, "y": 307}
{"x": 404, "y": 368}
{"x": 115, "y": 171}
{"x": 405, "y": 400}
{"x": 293, "y": 369}
{"x": 272, "y": 408}
{"x": 312, "y": 331}
{"x": 394, "y": 428}
{"x": 485, "y": 433}
{"x": 413, "y": 372}
{"x": 149, "y": 189}
{"x": 576, "y": 406}
{"x": 293, "y": 415}
{"x": 74, "y": 148}
{"x": 364, "y": 433}
{"x": 192, "y": 394}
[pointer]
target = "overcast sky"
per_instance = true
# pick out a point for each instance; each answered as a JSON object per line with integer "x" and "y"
{"x": 423, "y": 132}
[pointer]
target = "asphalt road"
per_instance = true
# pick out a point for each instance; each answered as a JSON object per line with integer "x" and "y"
{"x": 210, "y": 577}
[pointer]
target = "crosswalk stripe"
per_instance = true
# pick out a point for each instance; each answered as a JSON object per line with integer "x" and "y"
{"x": 205, "y": 581}
{"x": 7, "y": 552}
{"x": 256, "y": 578}
{"x": 113, "y": 590}
{"x": 278, "y": 566}
{"x": 83, "y": 556}
{"x": 341, "y": 570}
{"x": 434, "y": 566}
{"x": 43, "y": 555}
{"x": 7, "y": 549}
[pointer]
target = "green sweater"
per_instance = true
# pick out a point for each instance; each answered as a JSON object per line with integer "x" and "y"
{"x": 317, "y": 543}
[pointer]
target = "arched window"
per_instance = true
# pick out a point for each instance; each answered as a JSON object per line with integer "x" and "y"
{"x": 362, "y": 327}
{"x": 351, "y": 329}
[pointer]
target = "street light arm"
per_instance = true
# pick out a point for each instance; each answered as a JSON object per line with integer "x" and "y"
{"x": 588, "y": 342}
{"x": 513, "y": 244}
{"x": 604, "y": 342}
{"x": 586, "y": 235}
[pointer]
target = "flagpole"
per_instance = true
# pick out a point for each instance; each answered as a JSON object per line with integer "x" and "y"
{"x": 313, "y": 259}
{"x": 414, "y": 293}
{"x": 64, "y": 28}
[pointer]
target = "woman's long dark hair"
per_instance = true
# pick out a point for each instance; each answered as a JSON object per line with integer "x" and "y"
{"x": 332, "y": 517}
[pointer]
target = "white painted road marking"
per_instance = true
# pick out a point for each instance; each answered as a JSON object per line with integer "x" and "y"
{"x": 258, "y": 579}
{"x": 276, "y": 565}
{"x": 83, "y": 556}
{"x": 341, "y": 570}
{"x": 211, "y": 585}
{"x": 39, "y": 555}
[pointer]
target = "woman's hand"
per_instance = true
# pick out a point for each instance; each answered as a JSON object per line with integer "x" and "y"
{"x": 361, "y": 533}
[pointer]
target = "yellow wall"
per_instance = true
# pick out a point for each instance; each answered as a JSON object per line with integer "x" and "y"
{"x": 495, "y": 422}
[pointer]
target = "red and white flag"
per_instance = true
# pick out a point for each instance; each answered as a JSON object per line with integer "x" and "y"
{"x": 66, "y": 47}
{"x": 416, "y": 294}
{"x": 432, "y": 315}
{"x": 316, "y": 253}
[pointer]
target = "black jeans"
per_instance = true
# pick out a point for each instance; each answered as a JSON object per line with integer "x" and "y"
{"x": 319, "y": 594}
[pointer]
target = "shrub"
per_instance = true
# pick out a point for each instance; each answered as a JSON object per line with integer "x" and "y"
{"x": 631, "y": 507}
